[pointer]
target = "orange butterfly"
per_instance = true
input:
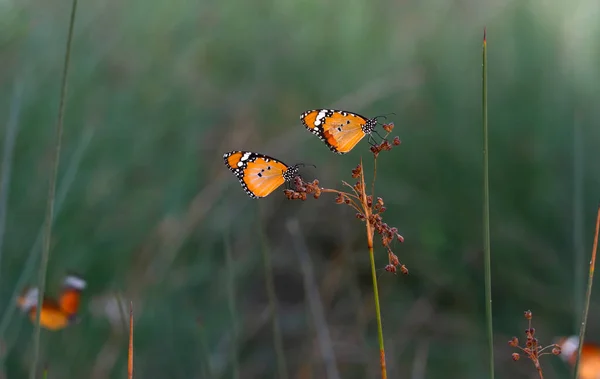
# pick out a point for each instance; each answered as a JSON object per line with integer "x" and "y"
{"x": 259, "y": 174}
{"x": 55, "y": 315}
{"x": 340, "y": 130}
{"x": 589, "y": 363}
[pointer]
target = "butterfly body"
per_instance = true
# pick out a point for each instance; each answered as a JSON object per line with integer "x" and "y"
{"x": 340, "y": 130}
{"x": 54, "y": 315}
{"x": 258, "y": 174}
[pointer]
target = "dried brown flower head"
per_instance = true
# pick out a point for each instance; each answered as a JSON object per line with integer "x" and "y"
{"x": 366, "y": 207}
{"x": 532, "y": 349}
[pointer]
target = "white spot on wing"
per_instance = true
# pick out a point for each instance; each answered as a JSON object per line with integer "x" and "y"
{"x": 245, "y": 156}
{"x": 29, "y": 300}
{"x": 75, "y": 282}
{"x": 320, "y": 117}
{"x": 570, "y": 346}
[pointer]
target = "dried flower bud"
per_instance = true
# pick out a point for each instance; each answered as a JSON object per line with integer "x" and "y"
{"x": 390, "y": 268}
{"x": 531, "y": 331}
{"x": 375, "y": 150}
{"x": 404, "y": 270}
{"x": 528, "y": 315}
{"x": 396, "y": 141}
{"x": 360, "y": 216}
{"x": 356, "y": 171}
{"x": 388, "y": 127}
{"x": 514, "y": 342}
{"x": 400, "y": 238}
{"x": 369, "y": 201}
{"x": 385, "y": 145}
{"x": 358, "y": 187}
{"x": 515, "y": 356}
{"x": 340, "y": 198}
{"x": 557, "y": 350}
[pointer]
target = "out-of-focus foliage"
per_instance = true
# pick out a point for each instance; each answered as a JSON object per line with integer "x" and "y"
{"x": 159, "y": 90}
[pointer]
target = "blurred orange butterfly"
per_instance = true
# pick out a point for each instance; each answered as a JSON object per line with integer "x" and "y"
{"x": 589, "y": 364}
{"x": 55, "y": 315}
{"x": 340, "y": 130}
{"x": 259, "y": 174}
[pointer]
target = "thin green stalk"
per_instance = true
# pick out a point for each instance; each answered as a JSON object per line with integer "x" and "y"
{"x": 64, "y": 188}
{"x": 12, "y": 130}
{"x": 367, "y": 212}
{"x": 51, "y": 193}
{"x": 588, "y": 294}
{"x": 486, "y": 214}
{"x": 578, "y": 238}
{"x": 268, "y": 269}
{"x": 231, "y": 297}
{"x": 378, "y": 315}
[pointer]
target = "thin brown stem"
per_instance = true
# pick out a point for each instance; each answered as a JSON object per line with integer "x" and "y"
{"x": 374, "y": 178}
{"x": 352, "y": 202}
{"x": 352, "y": 188}
{"x": 130, "y": 351}
{"x": 539, "y": 369}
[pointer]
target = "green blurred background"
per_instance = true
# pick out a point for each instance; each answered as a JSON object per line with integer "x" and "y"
{"x": 158, "y": 91}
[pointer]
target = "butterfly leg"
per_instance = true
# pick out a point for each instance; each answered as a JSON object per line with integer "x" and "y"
{"x": 372, "y": 143}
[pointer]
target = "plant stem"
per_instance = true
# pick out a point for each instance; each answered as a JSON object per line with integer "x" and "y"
{"x": 367, "y": 211}
{"x": 539, "y": 370}
{"x": 51, "y": 193}
{"x": 130, "y": 351}
{"x": 486, "y": 213}
{"x": 578, "y": 237}
{"x": 588, "y": 294}
{"x": 231, "y": 299}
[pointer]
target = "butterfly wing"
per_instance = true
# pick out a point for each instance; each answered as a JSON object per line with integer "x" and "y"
{"x": 340, "y": 130}
{"x": 71, "y": 294}
{"x": 258, "y": 174}
{"x": 51, "y": 317}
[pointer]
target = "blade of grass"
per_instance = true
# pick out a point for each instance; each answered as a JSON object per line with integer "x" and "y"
{"x": 65, "y": 186}
{"x": 367, "y": 213}
{"x": 51, "y": 193}
{"x": 588, "y": 294}
{"x": 231, "y": 297}
{"x": 486, "y": 212}
{"x": 268, "y": 269}
{"x": 578, "y": 238}
{"x": 130, "y": 350}
{"x": 12, "y": 130}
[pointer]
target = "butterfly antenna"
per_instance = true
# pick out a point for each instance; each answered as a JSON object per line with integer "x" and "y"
{"x": 306, "y": 164}
{"x": 383, "y": 116}
{"x": 376, "y": 132}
